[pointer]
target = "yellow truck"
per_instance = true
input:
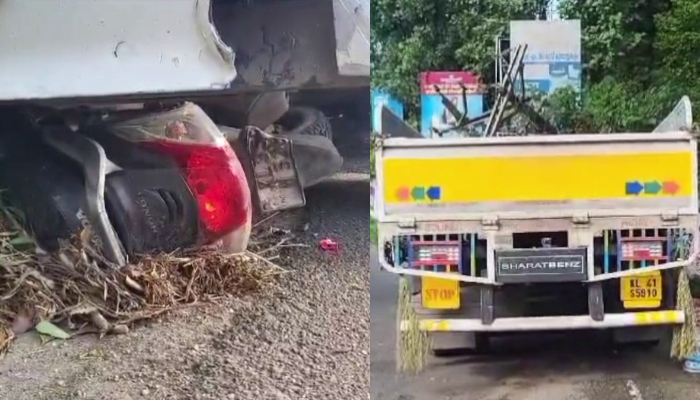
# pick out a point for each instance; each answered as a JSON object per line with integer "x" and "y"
{"x": 538, "y": 233}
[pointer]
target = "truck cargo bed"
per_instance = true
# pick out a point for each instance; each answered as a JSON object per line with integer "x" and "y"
{"x": 533, "y": 177}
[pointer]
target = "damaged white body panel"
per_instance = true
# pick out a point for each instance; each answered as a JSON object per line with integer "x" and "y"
{"x": 352, "y": 37}
{"x": 296, "y": 44}
{"x": 74, "y": 48}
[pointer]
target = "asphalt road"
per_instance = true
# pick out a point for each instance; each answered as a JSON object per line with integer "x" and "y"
{"x": 575, "y": 366}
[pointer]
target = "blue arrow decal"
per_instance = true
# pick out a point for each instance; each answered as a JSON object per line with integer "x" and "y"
{"x": 634, "y": 188}
{"x": 652, "y": 187}
{"x": 434, "y": 193}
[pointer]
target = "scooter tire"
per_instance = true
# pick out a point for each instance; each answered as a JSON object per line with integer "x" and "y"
{"x": 305, "y": 121}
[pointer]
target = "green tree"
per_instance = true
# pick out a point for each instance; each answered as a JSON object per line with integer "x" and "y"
{"x": 678, "y": 45}
{"x": 412, "y": 36}
{"x": 618, "y": 37}
{"x": 640, "y": 56}
{"x": 632, "y": 52}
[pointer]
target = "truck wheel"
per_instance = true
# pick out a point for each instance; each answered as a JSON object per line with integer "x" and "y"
{"x": 316, "y": 156}
{"x": 305, "y": 121}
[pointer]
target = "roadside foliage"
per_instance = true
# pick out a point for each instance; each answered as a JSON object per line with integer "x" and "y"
{"x": 639, "y": 56}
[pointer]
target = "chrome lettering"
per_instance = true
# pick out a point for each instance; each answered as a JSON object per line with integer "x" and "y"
{"x": 550, "y": 265}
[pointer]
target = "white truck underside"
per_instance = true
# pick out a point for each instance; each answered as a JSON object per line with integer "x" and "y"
{"x": 143, "y": 48}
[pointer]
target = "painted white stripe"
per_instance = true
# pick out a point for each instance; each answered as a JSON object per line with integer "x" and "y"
{"x": 552, "y": 323}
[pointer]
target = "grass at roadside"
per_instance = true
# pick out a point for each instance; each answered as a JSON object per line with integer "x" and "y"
{"x": 372, "y": 169}
{"x": 372, "y": 221}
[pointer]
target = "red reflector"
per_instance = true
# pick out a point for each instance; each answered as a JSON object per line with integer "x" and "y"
{"x": 642, "y": 253}
{"x": 642, "y": 250}
{"x": 217, "y": 180}
{"x": 435, "y": 253}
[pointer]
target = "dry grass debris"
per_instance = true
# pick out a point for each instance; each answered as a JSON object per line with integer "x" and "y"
{"x": 413, "y": 344}
{"x": 80, "y": 291}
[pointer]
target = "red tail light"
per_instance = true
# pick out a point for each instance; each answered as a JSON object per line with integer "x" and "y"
{"x": 209, "y": 164}
{"x": 436, "y": 253}
{"x": 642, "y": 249}
{"x": 217, "y": 180}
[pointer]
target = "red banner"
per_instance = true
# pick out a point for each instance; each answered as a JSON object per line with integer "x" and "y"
{"x": 450, "y": 83}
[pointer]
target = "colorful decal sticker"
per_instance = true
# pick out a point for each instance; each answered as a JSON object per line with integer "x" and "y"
{"x": 636, "y": 188}
{"x": 419, "y": 193}
{"x": 539, "y": 178}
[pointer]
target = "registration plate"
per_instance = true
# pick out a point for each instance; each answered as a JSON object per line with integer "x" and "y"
{"x": 642, "y": 291}
{"x": 440, "y": 294}
{"x": 274, "y": 172}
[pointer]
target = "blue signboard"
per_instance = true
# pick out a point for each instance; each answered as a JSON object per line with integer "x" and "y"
{"x": 553, "y": 58}
{"x": 379, "y": 99}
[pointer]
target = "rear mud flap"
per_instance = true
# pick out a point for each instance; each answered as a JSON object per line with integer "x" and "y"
{"x": 274, "y": 172}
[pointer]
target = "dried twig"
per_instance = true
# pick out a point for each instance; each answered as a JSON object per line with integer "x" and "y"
{"x": 268, "y": 262}
{"x": 266, "y": 219}
{"x": 78, "y": 287}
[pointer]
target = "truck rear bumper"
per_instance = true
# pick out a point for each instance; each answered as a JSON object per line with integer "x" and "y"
{"x": 652, "y": 318}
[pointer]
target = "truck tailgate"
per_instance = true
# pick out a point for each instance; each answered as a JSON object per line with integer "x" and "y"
{"x": 617, "y": 174}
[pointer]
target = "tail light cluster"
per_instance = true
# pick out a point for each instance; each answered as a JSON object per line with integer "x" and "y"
{"x": 643, "y": 250}
{"x": 628, "y": 249}
{"x": 210, "y": 167}
{"x": 436, "y": 253}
